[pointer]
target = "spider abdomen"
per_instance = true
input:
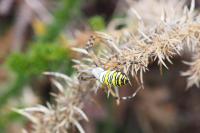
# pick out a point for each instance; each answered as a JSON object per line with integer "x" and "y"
{"x": 113, "y": 78}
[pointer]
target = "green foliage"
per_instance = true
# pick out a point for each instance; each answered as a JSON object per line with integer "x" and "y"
{"x": 13, "y": 90}
{"x": 37, "y": 59}
{"x": 40, "y": 58}
{"x": 18, "y": 63}
{"x": 97, "y": 23}
{"x": 7, "y": 117}
{"x": 44, "y": 54}
{"x": 62, "y": 16}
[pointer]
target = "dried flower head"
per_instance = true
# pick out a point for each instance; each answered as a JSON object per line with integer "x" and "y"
{"x": 66, "y": 113}
{"x": 193, "y": 73}
{"x": 160, "y": 43}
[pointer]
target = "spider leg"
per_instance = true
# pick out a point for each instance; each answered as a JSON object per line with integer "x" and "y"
{"x": 130, "y": 82}
{"x": 108, "y": 94}
{"x": 137, "y": 80}
{"x": 85, "y": 78}
{"x": 111, "y": 91}
{"x": 117, "y": 93}
{"x": 97, "y": 88}
{"x": 133, "y": 95}
{"x": 105, "y": 90}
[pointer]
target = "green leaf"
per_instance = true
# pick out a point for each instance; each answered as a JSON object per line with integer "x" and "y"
{"x": 13, "y": 90}
{"x": 97, "y": 23}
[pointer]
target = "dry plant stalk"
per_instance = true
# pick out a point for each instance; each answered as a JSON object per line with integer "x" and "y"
{"x": 161, "y": 42}
{"x": 128, "y": 51}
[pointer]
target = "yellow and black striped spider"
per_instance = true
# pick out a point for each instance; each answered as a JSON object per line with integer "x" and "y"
{"x": 113, "y": 79}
